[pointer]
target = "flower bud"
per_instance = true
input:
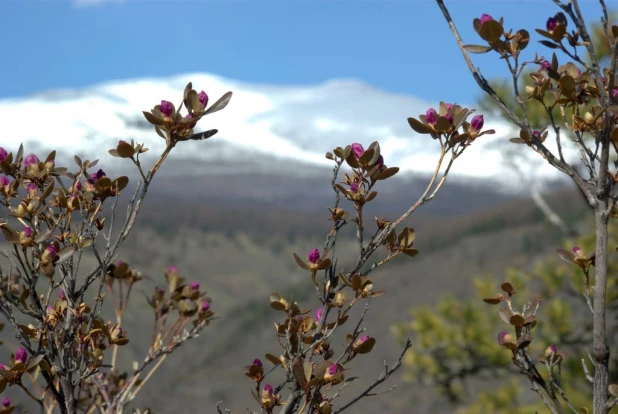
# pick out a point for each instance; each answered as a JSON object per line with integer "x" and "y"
{"x": 354, "y": 187}
{"x": 551, "y": 350}
{"x": 205, "y": 306}
{"x": 318, "y": 315}
{"x": 380, "y": 163}
{"x": 49, "y": 254}
{"x": 193, "y": 124}
{"x": 545, "y": 65}
{"x": 166, "y": 108}
{"x": 551, "y": 24}
{"x": 449, "y": 117}
{"x": 314, "y": 256}
{"x": 331, "y": 372}
{"x": 615, "y": 94}
{"x": 195, "y": 285}
{"x": 203, "y": 98}
{"x": 61, "y": 294}
{"x": 27, "y": 231}
{"x": 477, "y": 123}
{"x": 431, "y": 116}
{"x": 6, "y": 402}
{"x": 257, "y": 362}
{"x": 3, "y": 154}
{"x": 358, "y": 149}
{"x": 485, "y": 18}
{"x": 31, "y": 159}
{"x": 32, "y": 189}
{"x": 506, "y": 340}
{"x": 172, "y": 269}
{"x": 21, "y": 355}
{"x": 4, "y": 181}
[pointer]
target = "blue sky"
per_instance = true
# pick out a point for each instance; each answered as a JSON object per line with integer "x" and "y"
{"x": 402, "y": 46}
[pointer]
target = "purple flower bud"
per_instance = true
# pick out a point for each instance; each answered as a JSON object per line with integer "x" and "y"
{"x": 615, "y": 94}
{"x": 358, "y": 149}
{"x": 477, "y": 123}
{"x": 314, "y": 256}
{"x": 205, "y": 306}
{"x": 257, "y": 362}
{"x": 362, "y": 339}
{"x": 61, "y": 294}
{"x": 21, "y": 355}
{"x": 195, "y": 285}
{"x": 203, "y": 98}
{"x": 193, "y": 124}
{"x": 318, "y": 315}
{"x": 2, "y": 366}
{"x": 51, "y": 251}
{"x": 31, "y": 187}
{"x": 3, "y": 154}
{"x": 100, "y": 174}
{"x": 172, "y": 269}
{"x": 78, "y": 186}
{"x": 354, "y": 187}
{"x": 31, "y": 159}
{"x": 4, "y": 181}
{"x": 431, "y": 116}
{"x": 545, "y": 65}
{"x": 332, "y": 370}
{"x": 449, "y": 107}
{"x": 268, "y": 389}
{"x": 576, "y": 249}
{"x": 6, "y": 402}
{"x": 166, "y": 108}
{"x": 551, "y": 24}
{"x": 27, "y": 231}
{"x": 485, "y": 18}
{"x": 449, "y": 117}
{"x": 553, "y": 348}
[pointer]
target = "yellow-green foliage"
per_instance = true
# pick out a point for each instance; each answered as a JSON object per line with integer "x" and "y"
{"x": 456, "y": 340}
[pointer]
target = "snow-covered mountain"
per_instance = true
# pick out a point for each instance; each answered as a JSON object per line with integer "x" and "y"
{"x": 264, "y": 128}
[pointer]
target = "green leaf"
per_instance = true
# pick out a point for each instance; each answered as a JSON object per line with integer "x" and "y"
{"x": 477, "y": 48}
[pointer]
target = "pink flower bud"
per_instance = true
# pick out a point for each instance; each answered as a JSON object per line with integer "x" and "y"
{"x": 203, "y": 98}
{"x": 51, "y": 251}
{"x": 318, "y": 315}
{"x": 195, "y": 285}
{"x": 193, "y": 124}
{"x": 354, "y": 187}
{"x": 431, "y": 116}
{"x": 358, "y": 149}
{"x": 6, "y": 402}
{"x": 551, "y": 350}
{"x": 21, "y": 355}
{"x": 576, "y": 249}
{"x": 4, "y": 181}
{"x": 172, "y": 269}
{"x": 332, "y": 370}
{"x": 257, "y": 362}
{"x": 31, "y": 159}
{"x": 615, "y": 94}
{"x": 314, "y": 256}
{"x": 3, "y": 154}
{"x": 485, "y": 18}
{"x": 166, "y": 108}
{"x": 551, "y": 24}
{"x": 61, "y": 294}
{"x": 449, "y": 107}
{"x": 268, "y": 389}
{"x": 27, "y": 232}
{"x": 477, "y": 123}
{"x": 545, "y": 65}
{"x": 205, "y": 306}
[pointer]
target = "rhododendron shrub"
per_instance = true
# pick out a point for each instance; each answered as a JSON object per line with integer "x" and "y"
{"x": 51, "y": 215}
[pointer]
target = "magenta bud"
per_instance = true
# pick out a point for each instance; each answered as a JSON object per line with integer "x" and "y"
{"x": 31, "y": 159}
{"x": 203, "y": 98}
{"x": 6, "y": 402}
{"x": 358, "y": 149}
{"x": 21, "y": 355}
{"x": 172, "y": 269}
{"x": 431, "y": 116}
{"x": 485, "y": 18}
{"x": 615, "y": 94}
{"x": 205, "y": 306}
{"x": 576, "y": 249}
{"x": 51, "y": 251}
{"x": 166, "y": 108}
{"x": 195, "y": 285}
{"x": 314, "y": 256}
{"x": 257, "y": 362}
{"x": 27, "y": 232}
{"x": 449, "y": 107}
{"x": 3, "y": 154}
{"x": 354, "y": 187}
{"x": 551, "y": 24}
{"x": 536, "y": 133}
{"x": 332, "y": 370}
{"x": 268, "y": 389}
{"x": 449, "y": 117}
{"x": 545, "y": 65}
{"x": 362, "y": 339}
{"x": 318, "y": 315}
{"x": 61, "y": 294}
{"x": 477, "y": 123}
{"x": 4, "y": 181}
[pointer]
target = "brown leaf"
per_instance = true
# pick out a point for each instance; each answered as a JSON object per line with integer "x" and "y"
{"x": 301, "y": 263}
{"x": 220, "y": 104}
